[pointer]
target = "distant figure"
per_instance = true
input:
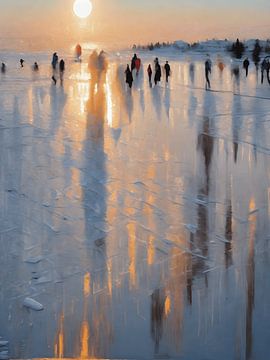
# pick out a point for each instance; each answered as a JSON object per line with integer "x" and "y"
{"x": 133, "y": 62}
{"x": 129, "y": 77}
{"x": 221, "y": 66}
{"x": 157, "y": 72}
{"x": 167, "y": 70}
{"x": 54, "y": 60}
{"x": 21, "y": 62}
{"x": 3, "y": 68}
{"x": 265, "y": 67}
{"x": 102, "y": 61}
{"x": 246, "y": 64}
{"x": 208, "y": 69}
{"x": 191, "y": 72}
{"x": 149, "y": 72}
{"x": 35, "y": 66}
{"x": 78, "y": 52}
{"x": 61, "y": 69}
{"x": 137, "y": 65}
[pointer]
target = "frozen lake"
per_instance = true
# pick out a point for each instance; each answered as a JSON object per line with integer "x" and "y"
{"x": 140, "y": 221}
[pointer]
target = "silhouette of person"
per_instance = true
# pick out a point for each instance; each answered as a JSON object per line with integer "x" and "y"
{"x": 157, "y": 72}
{"x": 54, "y": 60}
{"x": 208, "y": 69}
{"x": 149, "y": 72}
{"x": 21, "y": 62}
{"x": 268, "y": 71}
{"x": 61, "y": 69}
{"x": 133, "y": 62}
{"x": 35, "y": 66}
{"x": 264, "y": 66}
{"x": 167, "y": 70}
{"x": 3, "y": 68}
{"x": 246, "y": 64}
{"x": 129, "y": 77}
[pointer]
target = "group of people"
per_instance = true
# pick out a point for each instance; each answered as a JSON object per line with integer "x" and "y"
{"x": 35, "y": 67}
{"x": 55, "y": 60}
{"x": 136, "y": 65}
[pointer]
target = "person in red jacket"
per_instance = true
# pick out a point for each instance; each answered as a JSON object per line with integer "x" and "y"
{"x": 137, "y": 65}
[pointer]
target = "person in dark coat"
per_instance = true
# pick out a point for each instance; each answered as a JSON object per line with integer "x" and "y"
{"x": 208, "y": 69}
{"x": 133, "y": 62}
{"x": 54, "y": 60}
{"x": 3, "y": 68}
{"x": 149, "y": 72}
{"x": 246, "y": 66}
{"x": 129, "y": 77}
{"x": 21, "y": 62}
{"x": 61, "y": 69}
{"x": 157, "y": 72}
{"x": 263, "y": 69}
{"x": 167, "y": 71}
{"x": 35, "y": 66}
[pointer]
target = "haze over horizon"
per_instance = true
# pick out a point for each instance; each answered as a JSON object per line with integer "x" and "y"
{"x": 128, "y": 22}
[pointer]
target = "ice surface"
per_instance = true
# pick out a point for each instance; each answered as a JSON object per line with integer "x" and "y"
{"x": 32, "y": 304}
{"x": 139, "y": 219}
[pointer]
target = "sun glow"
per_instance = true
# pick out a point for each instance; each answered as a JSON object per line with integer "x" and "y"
{"x": 82, "y": 8}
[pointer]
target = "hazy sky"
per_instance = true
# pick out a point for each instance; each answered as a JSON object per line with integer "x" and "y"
{"x": 136, "y": 21}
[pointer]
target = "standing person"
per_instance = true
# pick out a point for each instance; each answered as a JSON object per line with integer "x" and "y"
{"x": 246, "y": 64}
{"x": 21, "y": 62}
{"x": 208, "y": 69}
{"x": 137, "y": 65}
{"x": 129, "y": 77}
{"x": 157, "y": 72}
{"x": 61, "y": 69}
{"x": 133, "y": 62}
{"x": 263, "y": 69}
{"x": 150, "y": 72}
{"x": 78, "y": 52}
{"x": 3, "y": 68}
{"x": 268, "y": 71}
{"x": 35, "y": 66}
{"x": 54, "y": 60}
{"x": 167, "y": 70}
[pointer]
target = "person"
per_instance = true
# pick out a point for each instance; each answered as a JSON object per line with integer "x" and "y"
{"x": 263, "y": 69}
{"x": 157, "y": 72}
{"x": 246, "y": 64}
{"x": 208, "y": 69}
{"x": 3, "y": 68}
{"x": 61, "y": 69}
{"x": 133, "y": 62}
{"x": 137, "y": 65}
{"x": 167, "y": 70}
{"x": 129, "y": 77}
{"x": 78, "y": 52}
{"x": 21, "y": 62}
{"x": 149, "y": 72}
{"x": 54, "y": 60}
{"x": 268, "y": 71}
{"x": 35, "y": 66}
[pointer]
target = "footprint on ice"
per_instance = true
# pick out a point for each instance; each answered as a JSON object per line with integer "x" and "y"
{"x": 32, "y": 304}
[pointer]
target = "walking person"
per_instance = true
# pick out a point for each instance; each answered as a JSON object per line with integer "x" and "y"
{"x": 35, "y": 66}
{"x": 138, "y": 65}
{"x": 3, "y": 68}
{"x": 129, "y": 77}
{"x": 54, "y": 60}
{"x": 150, "y": 72}
{"x": 21, "y": 62}
{"x": 157, "y": 72}
{"x": 208, "y": 69}
{"x": 133, "y": 62}
{"x": 246, "y": 66}
{"x": 167, "y": 71}
{"x": 62, "y": 70}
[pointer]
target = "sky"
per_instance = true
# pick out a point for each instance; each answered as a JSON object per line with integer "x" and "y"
{"x": 136, "y": 21}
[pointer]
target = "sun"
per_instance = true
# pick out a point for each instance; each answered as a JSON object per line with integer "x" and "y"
{"x": 82, "y": 8}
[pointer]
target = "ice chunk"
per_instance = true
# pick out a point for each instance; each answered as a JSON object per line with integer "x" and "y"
{"x": 3, "y": 343}
{"x": 32, "y": 304}
{"x": 34, "y": 260}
